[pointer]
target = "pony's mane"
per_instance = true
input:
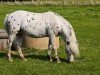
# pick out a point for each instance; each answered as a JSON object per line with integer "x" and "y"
{"x": 64, "y": 20}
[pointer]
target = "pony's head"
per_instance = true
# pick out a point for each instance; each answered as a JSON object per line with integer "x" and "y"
{"x": 73, "y": 44}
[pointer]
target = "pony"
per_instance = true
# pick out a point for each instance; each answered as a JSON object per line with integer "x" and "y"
{"x": 47, "y": 24}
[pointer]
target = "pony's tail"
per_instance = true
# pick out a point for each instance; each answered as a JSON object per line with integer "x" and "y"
{"x": 74, "y": 44}
{"x": 6, "y": 23}
{"x": 6, "y": 19}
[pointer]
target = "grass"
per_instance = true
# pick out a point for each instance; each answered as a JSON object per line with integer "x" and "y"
{"x": 86, "y": 22}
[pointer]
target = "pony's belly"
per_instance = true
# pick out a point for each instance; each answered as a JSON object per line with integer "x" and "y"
{"x": 35, "y": 32}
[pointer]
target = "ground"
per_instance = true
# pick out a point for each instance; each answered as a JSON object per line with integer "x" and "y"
{"x": 86, "y": 22}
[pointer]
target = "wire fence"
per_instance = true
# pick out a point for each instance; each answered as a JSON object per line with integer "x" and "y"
{"x": 51, "y": 2}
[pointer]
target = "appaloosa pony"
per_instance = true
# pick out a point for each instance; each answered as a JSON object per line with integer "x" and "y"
{"x": 47, "y": 24}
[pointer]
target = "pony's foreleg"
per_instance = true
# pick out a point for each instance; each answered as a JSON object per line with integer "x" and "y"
{"x": 56, "y": 55}
{"x": 49, "y": 52}
{"x": 52, "y": 39}
{"x": 18, "y": 47}
{"x": 10, "y": 41}
{"x": 20, "y": 53}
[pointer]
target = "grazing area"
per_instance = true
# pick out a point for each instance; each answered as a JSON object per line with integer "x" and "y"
{"x": 86, "y": 23}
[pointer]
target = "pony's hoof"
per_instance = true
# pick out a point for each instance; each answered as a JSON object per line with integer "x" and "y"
{"x": 58, "y": 61}
{"x": 70, "y": 61}
{"x": 24, "y": 59}
{"x": 10, "y": 60}
{"x": 51, "y": 60}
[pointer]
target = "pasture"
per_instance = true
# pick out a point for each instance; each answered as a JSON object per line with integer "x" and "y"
{"x": 86, "y": 22}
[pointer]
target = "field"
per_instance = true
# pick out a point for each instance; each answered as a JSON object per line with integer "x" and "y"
{"x": 86, "y": 22}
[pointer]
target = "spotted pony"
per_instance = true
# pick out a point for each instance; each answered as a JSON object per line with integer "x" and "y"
{"x": 48, "y": 24}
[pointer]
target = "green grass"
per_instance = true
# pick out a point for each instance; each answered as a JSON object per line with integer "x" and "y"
{"x": 86, "y": 22}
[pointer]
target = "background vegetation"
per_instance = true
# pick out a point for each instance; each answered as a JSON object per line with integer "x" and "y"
{"x": 86, "y": 22}
{"x": 50, "y": 2}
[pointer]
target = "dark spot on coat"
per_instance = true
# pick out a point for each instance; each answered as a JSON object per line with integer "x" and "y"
{"x": 45, "y": 22}
{"x": 25, "y": 26}
{"x": 8, "y": 21}
{"x": 57, "y": 27}
{"x": 68, "y": 42}
{"x": 40, "y": 23}
{"x": 11, "y": 16}
{"x": 17, "y": 24}
{"x": 57, "y": 15}
{"x": 36, "y": 23}
{"x": 27, "y": 20}
{"x": 63, "y": 22}
{"x": 14, "y": 19}
{"x": 8, "y": 26}
{"x": 9, "y": 43}
{"x": 32, "y": 18}
{"x": 70, "y": 33}
{"x": 34, "y": 27}
{"x": 69, "y": 27}
{"x": 13, "y": 27}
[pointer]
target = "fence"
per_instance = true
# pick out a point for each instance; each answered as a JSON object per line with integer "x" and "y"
{"x": 53, "y": 2}
{"x": 28, "y": 42}
{"x": 3, "y": 39}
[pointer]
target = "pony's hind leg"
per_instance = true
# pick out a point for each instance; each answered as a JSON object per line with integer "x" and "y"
{"x": 10, "y": 41}
{"x": 20, "y": 53}
{"x": 18, "y": 47}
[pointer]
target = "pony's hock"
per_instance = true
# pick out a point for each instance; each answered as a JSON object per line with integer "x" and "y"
{"x": 28, "y": 42}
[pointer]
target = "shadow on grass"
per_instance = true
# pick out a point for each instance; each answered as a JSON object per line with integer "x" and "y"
{"x": 40, "y": 57}
{"x": 45, "y": 58}
{"x": 37, "y": 56}
{"x": 3, "y": 55}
